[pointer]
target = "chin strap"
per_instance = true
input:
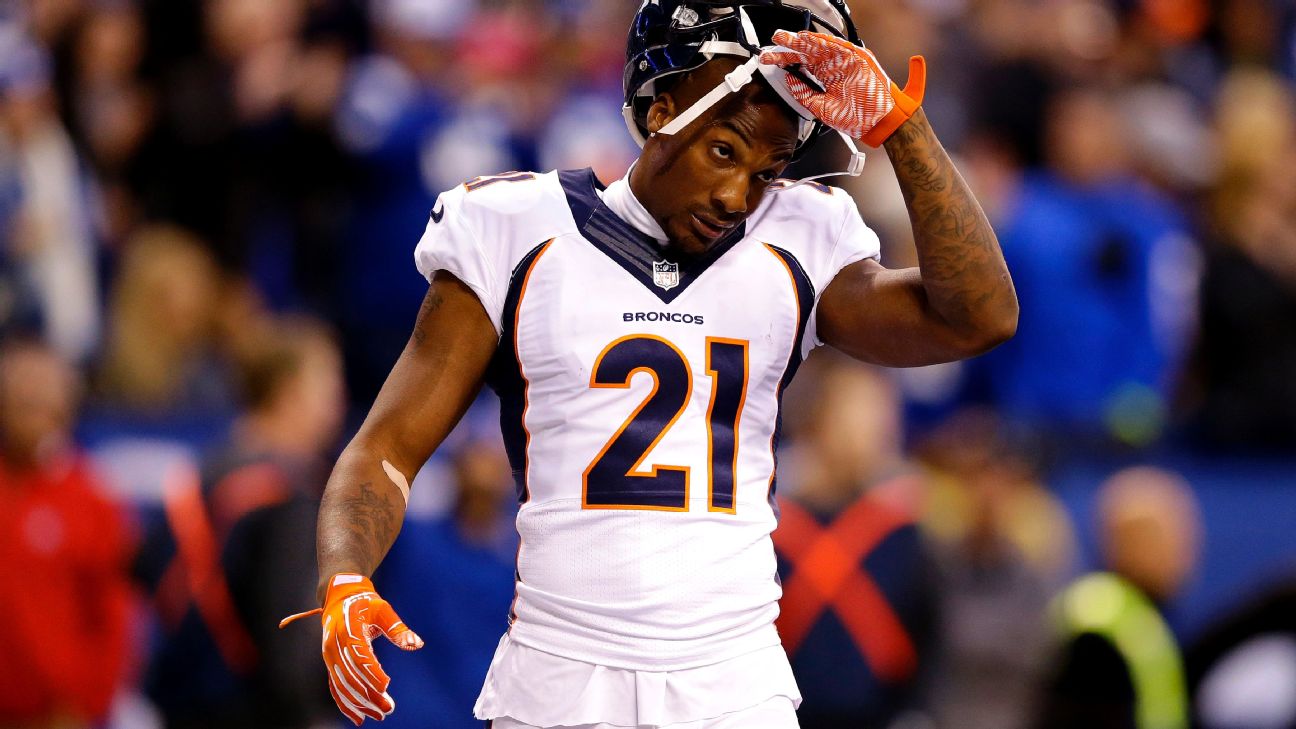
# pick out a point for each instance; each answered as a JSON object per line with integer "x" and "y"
{"x": 853, "y": 168}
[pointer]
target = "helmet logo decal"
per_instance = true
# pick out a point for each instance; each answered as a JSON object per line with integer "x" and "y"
{"x": 685, "y": 16}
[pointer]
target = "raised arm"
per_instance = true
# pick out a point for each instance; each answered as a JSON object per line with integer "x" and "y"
{"x": 958, "y": 302}
{"x": 429, "y": 388}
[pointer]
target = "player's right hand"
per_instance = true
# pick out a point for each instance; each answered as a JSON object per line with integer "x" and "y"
{"x": 352, "y": 616}
{"x": 858, "y": 98}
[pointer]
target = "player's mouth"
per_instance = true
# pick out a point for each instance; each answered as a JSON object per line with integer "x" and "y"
{"x": 709, "y": 229}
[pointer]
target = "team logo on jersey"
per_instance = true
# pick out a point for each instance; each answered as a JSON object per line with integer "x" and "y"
{"x": 666, "y": 274}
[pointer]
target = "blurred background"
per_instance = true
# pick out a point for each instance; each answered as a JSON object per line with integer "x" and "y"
{"x": 207, "y": 215}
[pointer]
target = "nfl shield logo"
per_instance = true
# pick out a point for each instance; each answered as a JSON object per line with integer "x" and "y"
{"x": 666, "y": 274}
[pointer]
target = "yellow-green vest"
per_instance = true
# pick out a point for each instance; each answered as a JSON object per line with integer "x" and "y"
{"x": 1108, "y": 606}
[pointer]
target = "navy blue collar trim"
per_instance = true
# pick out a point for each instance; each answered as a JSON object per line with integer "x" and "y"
{"x": 630, "y": 248}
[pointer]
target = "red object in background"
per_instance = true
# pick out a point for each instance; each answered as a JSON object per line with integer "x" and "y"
{"x": 513, "y": 49}
{"x": 829, "y": 575}
{"x": 66, "y": 597}
{"x": 1179, "y": 21}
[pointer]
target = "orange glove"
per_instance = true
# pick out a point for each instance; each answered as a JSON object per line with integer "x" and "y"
{"x": 353, "y": 615}
{"x": 858, "y": 99}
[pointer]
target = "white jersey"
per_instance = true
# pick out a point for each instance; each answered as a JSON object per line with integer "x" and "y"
{"x": 640, "y": 407}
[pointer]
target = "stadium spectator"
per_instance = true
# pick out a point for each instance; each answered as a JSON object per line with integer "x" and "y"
{"x": 159, "y": 374}
{"x": 395, "y": 102}
{"x": 858, "y": 614}
{"x": 162, "y": 394}
{"x": 1243, "y": 393}
{"x": 66, "y": 548}
{"x": 108, "y": 107}
{"x": 47, "y": 252}
{"x": 1004, "y": 544}
{"x": 234, "y": 557}
{"x": 455, "y": 574}
{"x": 1119, "y": 665}
{"x": 1099, "y": 257}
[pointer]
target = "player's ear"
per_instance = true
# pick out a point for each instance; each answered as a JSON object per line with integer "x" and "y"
{"x": 661, "y": 112}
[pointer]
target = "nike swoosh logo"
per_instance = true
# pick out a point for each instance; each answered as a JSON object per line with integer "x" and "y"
{"x": 437, "y": 212}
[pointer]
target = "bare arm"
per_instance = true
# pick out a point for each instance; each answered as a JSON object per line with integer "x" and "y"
{"x": 958, "y": 302}
{"x": 432, "y": 384}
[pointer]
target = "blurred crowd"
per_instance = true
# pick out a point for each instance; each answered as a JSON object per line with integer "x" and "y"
{"x": 207, "y": 215}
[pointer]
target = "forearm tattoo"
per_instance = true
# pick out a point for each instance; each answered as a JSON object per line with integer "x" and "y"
{"x": 963, "y": 270}
{"x": 357, "y": 525}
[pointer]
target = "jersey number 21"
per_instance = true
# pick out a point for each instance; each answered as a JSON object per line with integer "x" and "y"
{"x": 616, "y": 478}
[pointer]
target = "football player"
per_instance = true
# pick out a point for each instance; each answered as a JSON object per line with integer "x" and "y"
{"x": 640, "y": 337}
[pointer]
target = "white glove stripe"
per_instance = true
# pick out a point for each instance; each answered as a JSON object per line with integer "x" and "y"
{"x": 351, "y": 691}
{"x": 355, "y": 668}
{"x": 346, "y": 610}
{"x": 356, "y": 679}
{"x": 344, "y": 690}
{"x": 367, "y": 665}
{"x": 343, "y": 705}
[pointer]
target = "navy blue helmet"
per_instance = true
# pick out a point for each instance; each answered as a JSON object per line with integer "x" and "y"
{"x": 670, "y": 37}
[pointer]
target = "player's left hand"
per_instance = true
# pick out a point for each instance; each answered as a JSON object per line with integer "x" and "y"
{"x": 352, "y": 616}
{"x": 858, "y": 99}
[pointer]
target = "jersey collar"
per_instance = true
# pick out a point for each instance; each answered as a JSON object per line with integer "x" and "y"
{"x": 630, "y": 248}
{"x": 621, "y": 200}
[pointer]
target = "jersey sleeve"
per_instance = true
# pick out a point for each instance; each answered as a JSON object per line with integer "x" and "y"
{"x": 480, "y": 230}
{"x": 451, "y": 243}
{"x": 854, "y": 242}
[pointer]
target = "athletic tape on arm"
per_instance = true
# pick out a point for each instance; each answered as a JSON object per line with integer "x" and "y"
{"x": 399, "y": 479}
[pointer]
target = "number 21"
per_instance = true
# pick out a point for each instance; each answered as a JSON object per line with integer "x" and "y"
{"x": 615, "y": 479}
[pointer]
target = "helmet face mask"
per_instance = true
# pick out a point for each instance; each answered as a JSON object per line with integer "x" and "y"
{"x": 671, "y": 37}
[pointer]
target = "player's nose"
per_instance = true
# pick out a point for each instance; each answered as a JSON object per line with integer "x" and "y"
{"x": 730, "y": 195}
